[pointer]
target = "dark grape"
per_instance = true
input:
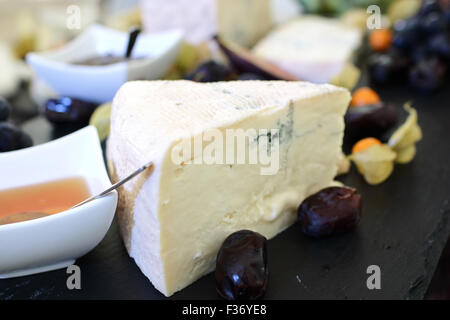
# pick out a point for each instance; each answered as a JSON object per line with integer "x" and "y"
{"x": 407, "y": 33}
{"x": 412, "y": 25}
{"x": 434, "y": 23}
{"x": 440, "y": 45}
{"x": 241, "y": 266}
{"x": 211, "y": 71}
{"x": 5, "y": 109}
{"x": 404, "y": 40}
{"x": 330, "y": 211}
{"x": 250, "y": 76}
{"x": 388, "y": 68}
{"x": 421, "y": 52}
{"x": 428, "y": 7}
{"x": 13, "y": 138}
{"x": 68, "y": 110}
{"x": 445, "y": 7}
{"x": 427, "y": 75}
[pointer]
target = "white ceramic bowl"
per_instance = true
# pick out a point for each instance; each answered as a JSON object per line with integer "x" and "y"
{"x": 99, "y": 83}
{"x": 55, "y": 241}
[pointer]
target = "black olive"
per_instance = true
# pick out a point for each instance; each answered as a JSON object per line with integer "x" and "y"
{"x": 241, "y": 266}
{"x": 330, "y": 211}
{"x": 68, "y": 110}
{"x": 369, "y": 121}
{"x": 13, "y": 138}
{"x": 5, "y": 109}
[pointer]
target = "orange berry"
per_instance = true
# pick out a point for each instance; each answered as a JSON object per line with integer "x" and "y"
{"x": 364, "y": 96}
{"x": 380, "y": 40}
{"x": 364, "y": 144}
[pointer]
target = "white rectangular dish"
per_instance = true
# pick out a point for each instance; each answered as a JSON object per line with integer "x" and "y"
{"x": 55, "y": 241}
{"x": 98, "y": 84}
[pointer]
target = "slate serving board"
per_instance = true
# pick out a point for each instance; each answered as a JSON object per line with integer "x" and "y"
{"x": 404, "y": 228}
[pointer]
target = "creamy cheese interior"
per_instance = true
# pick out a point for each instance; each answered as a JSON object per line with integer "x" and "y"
{"x": 174, "y": 220}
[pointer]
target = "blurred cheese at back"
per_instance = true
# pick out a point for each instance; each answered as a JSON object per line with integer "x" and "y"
{"x": 312, "y": 48}
{"x": 241, "y": 21}
{"x": 244, "y": 22}
{"x": 174, "y": 219}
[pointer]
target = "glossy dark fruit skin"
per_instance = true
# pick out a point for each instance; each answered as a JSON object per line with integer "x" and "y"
{"x": 428, "y": 75}
{"x": 445, "y": 6}
{"x": 433, "y": 23}
{"x": 5, "y": 109}
{"x": 407, "y": 33}
{"x": 369, "y": 121}
{"x": 440, "y": 45}
{"x": 330, "y": 211}
{"x": 13, "y": 138}
{"x": 211, "y": 71}
{"x": 388, "y": 68}
{"x": 68, "y": 110}
{"x": 421, "y": 52}
{"x": 241, "y": 267}
{"x": 429, "y": 6}
{"x": 404, "y": 40}
{"x": 250, "y": 76}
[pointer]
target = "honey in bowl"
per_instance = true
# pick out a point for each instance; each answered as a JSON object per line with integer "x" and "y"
{"x": 40, "y": 200}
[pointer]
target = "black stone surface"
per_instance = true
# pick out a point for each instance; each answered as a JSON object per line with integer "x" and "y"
{"x": 404, "y": 228}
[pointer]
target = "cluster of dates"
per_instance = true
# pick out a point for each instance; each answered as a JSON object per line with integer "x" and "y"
{"x": 242, "y": 270}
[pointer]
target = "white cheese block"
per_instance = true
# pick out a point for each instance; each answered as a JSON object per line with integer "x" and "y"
{"x": 312, "y": 48}
{"x": 175, "y": 218}
{"x": 241, "y": 21}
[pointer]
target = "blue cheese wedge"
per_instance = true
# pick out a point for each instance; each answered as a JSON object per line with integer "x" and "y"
{"x": 312, "y": 48}
{"x": 174, "y": 219}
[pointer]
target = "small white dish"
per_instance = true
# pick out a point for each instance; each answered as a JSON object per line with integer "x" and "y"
{"x": 98, "y": 84}
{"x": 55, "y": 241}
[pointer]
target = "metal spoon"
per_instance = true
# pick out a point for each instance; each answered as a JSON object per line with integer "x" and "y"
{"x": 116, "y": 185}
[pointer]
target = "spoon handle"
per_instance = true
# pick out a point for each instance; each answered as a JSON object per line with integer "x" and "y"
{"x": 131, "y": 41}
{"x": 116, "y": 185}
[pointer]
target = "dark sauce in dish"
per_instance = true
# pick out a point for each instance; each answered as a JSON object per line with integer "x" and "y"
{"x": 104, "y": 60}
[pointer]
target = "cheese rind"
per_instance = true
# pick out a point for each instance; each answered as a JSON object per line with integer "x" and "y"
{"x": 174, "y": 219}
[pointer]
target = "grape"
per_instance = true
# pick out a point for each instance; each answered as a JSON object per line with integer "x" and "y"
{"x": 211, "y": 71}
{"x": 440, "y": 45}
{"x": 13, "y": 138}
{"x": 5, "y": 109}
{"x": 387, "y": 68}
{"x": 427, "y": 75}
{"x": 68, "y": 110}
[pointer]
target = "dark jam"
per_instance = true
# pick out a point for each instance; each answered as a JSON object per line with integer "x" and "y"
{"x": 102, "y": 60}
